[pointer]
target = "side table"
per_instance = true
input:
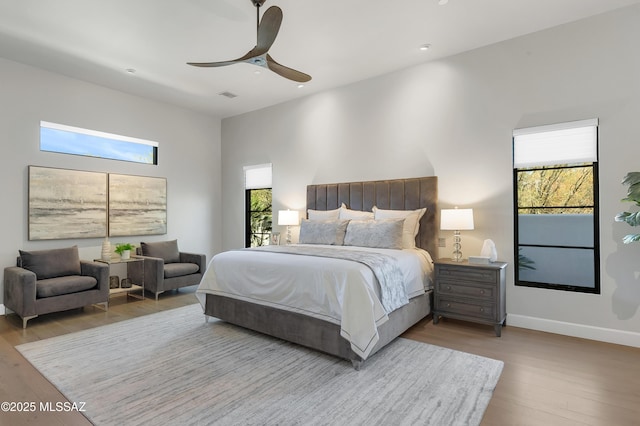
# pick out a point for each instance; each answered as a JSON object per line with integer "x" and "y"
{"x": 470, "y": 292}
{"x": 135, "y": 287}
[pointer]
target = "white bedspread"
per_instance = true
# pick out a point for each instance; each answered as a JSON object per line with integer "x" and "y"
{"x": 339, "y": 291}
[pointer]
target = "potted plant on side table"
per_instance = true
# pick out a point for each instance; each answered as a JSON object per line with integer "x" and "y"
{"x": 124, "y": 250}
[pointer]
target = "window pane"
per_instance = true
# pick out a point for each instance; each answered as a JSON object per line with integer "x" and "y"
{"x": 551, "y": 265}
{"x": 555, "y": 187}
{"x": 259, "y": 217}
{"x": 74, "y": 140}
{"x": 574, "y": 230}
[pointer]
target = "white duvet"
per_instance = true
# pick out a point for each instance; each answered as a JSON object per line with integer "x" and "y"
{"x": 339, "y": 291}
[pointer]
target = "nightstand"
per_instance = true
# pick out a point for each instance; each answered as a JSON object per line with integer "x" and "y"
{"x": 470, "y": 292}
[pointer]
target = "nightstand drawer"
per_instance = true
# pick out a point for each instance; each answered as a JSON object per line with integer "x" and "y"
{"x": 468, "y": 274}
{"x": 469, "y": 309}
{"x": 478, "y": 292}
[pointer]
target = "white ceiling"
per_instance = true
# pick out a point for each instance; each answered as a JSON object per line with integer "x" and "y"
{"x": 337, "y": 42}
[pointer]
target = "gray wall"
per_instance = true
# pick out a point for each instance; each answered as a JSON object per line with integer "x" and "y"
{"x": 453, "y": 118}
{"x": 189, "y": 156}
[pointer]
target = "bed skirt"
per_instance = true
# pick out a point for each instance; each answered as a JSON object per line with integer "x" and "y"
{"x": 312, "y": 332}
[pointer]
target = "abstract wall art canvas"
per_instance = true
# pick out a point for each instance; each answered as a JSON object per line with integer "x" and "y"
{"x": 137, "y": 205}
{"x": 66, "y": 204}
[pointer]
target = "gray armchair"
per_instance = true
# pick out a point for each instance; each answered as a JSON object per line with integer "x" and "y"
{"x": 166, "y": 267}
{"x": 54, "y": 280}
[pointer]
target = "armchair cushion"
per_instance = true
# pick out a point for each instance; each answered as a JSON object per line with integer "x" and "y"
{"x": 166, "y": 250}
{"x": 179, "y": 269}
{"x": 51, "y": 263}
{"x": 64, "y": 285}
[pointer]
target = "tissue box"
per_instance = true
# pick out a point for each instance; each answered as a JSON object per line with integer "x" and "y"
{"x": 480, "y": 260}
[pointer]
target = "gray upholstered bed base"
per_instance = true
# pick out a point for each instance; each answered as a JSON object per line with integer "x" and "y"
{"x": 396, "y": 194}
{"x": 312, "y": 332}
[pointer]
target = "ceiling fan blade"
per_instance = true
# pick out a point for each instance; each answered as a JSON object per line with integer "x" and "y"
{"x": 287, "y": 72}
{"x": 268, "y": 28}
{"x": 211, "y": 64}
{"x": 251, "y": 54}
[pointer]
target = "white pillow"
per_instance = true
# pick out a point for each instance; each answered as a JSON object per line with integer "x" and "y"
{"x": 411, "y": 223}
{"x": 375, "y": 233}
{"x": 324, "y": 214}
{"x": 329, "y": 232}
{"x": 346, "y": 213}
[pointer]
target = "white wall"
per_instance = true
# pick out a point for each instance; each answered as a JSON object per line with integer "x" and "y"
{"x": 453, "y": 118}
{"x": 189, "y": 156}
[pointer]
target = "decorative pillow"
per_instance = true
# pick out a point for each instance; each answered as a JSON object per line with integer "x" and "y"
{"x": 324, "y": 214}
{"x": 411, "y": 222}
{"x": 322, "y": 232}
{"x": 346, "y": 213}
{"x": 167, "y": 250}
{"x": 375, "y": 233}
{"x": 51, "y": 263}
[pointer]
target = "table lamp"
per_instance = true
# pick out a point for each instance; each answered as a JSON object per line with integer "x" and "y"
{"x": 288, "y": 217}
{"x": 456, "y": 220}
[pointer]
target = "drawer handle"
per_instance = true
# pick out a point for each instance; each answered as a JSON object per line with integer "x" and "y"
{"x": 448, "y": 305}
{"x": 481, "y": 309}
{"x": 448, "y": 287}
{"x": 481, "y": 291}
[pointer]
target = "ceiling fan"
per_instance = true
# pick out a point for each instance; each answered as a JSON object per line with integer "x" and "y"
{"x": 267, "y": 30}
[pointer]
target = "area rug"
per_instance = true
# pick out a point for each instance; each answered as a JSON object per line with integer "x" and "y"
{"x": 173, "y": 368}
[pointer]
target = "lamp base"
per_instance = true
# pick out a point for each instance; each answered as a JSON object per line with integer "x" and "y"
{"x": 457, "y": 252}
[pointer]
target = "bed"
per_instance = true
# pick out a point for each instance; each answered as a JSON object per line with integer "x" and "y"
{"x": 304, "y": 324}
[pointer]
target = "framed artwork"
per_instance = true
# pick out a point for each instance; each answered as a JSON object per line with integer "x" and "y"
{"x": 137, "y": 205}
{"x": 66, "y": 204}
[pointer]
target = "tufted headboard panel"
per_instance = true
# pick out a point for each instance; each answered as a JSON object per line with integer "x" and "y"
{"x": 396, "y": 194}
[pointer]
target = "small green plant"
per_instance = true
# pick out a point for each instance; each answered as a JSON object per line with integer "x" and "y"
{"x": 633, "y": 195}
{"x": 123, "y": 247}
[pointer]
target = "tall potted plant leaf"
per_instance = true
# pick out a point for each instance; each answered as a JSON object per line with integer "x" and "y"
{"x": 632, "y": 179}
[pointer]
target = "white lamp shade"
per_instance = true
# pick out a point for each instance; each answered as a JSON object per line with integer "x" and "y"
{"x": 456, "y": 219}
{"x": 288, "y": 217}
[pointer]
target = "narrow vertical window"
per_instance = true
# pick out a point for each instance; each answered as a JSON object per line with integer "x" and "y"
{"x": 556, "y": 206}
{"x": 258, "y": 202}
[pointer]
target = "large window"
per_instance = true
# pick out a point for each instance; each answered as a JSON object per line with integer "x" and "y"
{"x": 556, "y": 206}
{"x": 258, "y": 202}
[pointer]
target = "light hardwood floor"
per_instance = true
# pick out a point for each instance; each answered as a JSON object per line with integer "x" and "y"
{"x": 547, "y": 379}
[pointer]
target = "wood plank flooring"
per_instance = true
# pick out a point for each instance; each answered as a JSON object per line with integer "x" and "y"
{"x": 547, "y": 379}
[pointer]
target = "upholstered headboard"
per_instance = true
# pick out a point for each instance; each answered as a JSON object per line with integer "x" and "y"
{"x": 396, "y": 194}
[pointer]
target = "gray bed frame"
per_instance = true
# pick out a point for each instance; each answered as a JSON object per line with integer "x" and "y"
{"x": 398, "y": 194}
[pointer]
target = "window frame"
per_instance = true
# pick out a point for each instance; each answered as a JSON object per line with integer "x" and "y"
{"x": 256, "y": 178}
{"x": 248, "y": 214}
{"x": 596, "y": 289}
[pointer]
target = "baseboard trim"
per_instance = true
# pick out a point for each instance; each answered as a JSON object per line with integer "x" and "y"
{"x": 608, "y": 335}
{"x": 2, "y": 310}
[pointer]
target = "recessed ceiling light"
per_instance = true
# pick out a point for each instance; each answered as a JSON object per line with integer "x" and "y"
{"x": 257, "y": 72}
{"x": 425, "y": 47}
{"x": 443, "y": 2}
{"x": 130, "y": 71}
{"x": 300, "y": 86}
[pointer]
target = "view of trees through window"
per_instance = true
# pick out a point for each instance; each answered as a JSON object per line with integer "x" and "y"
{"x": 259, "y": 217}
{"x": 555, "y": 190}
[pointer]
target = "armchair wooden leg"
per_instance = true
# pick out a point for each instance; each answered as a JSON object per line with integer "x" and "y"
{"x": 102, "y": 305}
{"x": 25, "y": 319}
